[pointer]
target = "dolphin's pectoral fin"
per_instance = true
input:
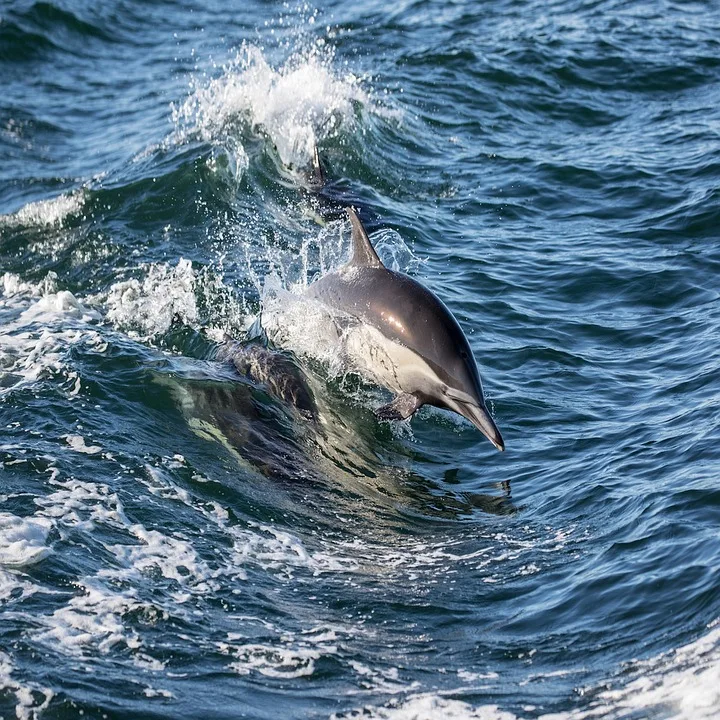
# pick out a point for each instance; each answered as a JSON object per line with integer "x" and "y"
{"x": 401, "y": 408}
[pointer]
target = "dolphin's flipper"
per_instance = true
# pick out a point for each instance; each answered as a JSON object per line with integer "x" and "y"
{"x": 401, "y": 408}
{"x": 364, "y": 254}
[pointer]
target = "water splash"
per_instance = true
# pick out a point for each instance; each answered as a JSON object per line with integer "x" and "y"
{"x": 304, "y": 101}
{"x": 49, "y": 213}
{"x": 306, "y": 326}
{"x": 146, "y": 308}
{"x": 150, "y": 306}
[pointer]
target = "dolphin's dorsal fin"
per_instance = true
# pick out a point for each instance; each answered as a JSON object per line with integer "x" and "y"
{"x": 317, "y": 173}
{"x": 364, "y": 254}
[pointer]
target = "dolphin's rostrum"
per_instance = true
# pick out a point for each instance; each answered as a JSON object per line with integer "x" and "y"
{"x": 403, "y": 336}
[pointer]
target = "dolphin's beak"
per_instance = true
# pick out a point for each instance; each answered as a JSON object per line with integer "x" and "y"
{"x": 480, "y": 418}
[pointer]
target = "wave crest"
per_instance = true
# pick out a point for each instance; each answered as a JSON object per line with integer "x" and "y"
{"x": 303, "y": 101}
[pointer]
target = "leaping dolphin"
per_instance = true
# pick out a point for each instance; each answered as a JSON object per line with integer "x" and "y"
{"x": 405, "y": 338}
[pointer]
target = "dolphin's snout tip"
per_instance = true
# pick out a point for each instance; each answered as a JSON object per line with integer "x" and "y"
{"x": 494, "y": 437}
{"x": 480, "y": 418}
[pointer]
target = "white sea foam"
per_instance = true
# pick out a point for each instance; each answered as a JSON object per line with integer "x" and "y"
{"x": 46, "y": 212}
{"x": 93, "y": 617}
{"x": 23, "y": 540}
{"x": 683, "y": 684}
{"x": 289, "y": 655}
{"x": 38, "y": 326}
{"x": 77, "y": 505}
{"x": 14, "y": 588}
{"x": 174, "y": 558}
{"x": 302, "y": 101}
{"x": 31, "y": 699}
{"x": 78, "y": 444}
{"x": 265, "y": 546}
{"x": 272, "y": 660}
{"x": 427, "y": 706}
{"x": 282, "y": 552}
{"x": 146, "y": 308}
{"x": 468, "y": 676}
{"x": 384, "y": 680}
{"x": 491, "y": 554}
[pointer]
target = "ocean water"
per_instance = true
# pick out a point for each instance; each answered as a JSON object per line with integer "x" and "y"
{"x": 175, "y": 542}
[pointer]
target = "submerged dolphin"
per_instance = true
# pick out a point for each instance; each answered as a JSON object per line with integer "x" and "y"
{"x": 274, "y": 370}
{"x": 408, "y": 340}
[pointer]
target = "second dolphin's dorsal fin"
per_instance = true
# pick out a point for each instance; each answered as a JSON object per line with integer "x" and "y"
{"x": 317, "y": 173}
{"x": 364, "y": 254}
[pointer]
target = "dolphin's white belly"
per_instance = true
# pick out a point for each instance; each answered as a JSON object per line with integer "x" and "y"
{"x": 388, "y": 363}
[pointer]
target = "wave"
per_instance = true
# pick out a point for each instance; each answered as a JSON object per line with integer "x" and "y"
{"x": 296, "y": 105}
{"x": 50, "y": 212}
{"x": 680, "y": 684}
{"x": 44, "y": 29}
{"x": 18, "y": 45}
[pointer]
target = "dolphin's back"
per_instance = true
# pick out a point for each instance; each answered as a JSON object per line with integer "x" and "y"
{"x": 279, "y": 373}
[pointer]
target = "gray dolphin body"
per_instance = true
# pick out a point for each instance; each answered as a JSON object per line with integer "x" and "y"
{"x": 277, "y": 372}
{"x": 405, "y": 338}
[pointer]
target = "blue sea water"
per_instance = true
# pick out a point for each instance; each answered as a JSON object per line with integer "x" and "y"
{"x": 175, "y": 542}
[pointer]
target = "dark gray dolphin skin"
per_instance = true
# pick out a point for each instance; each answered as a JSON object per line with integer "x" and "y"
{"x": 407, "y": 339}
{"x": 273, "y": 369}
